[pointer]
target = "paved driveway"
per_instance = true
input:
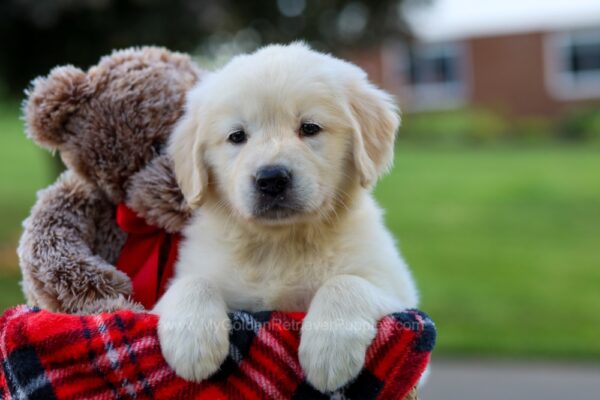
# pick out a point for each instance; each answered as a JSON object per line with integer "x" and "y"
{"x": 504, "y": 380}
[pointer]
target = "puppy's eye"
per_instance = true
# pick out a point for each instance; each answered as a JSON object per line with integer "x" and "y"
{"x": 237, "y": 137}
{"x": 309, "y": 129}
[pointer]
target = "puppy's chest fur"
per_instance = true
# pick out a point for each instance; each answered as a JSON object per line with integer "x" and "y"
{"x": 260, "y": 273}
{"x": 283, "y": 275}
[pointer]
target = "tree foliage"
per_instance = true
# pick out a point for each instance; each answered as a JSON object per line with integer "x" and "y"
{"x": 35, "y": 35}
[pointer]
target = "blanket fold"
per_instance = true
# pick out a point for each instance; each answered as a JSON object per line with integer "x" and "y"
{"x": 116, "y": 355}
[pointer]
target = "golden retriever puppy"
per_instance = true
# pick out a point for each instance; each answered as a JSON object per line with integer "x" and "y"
{"x": 281, "y": 148}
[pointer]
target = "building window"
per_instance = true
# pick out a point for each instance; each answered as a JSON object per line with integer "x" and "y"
{"x": 573, "y": 64}
{"x": 435, "y": 74}
{"x": 584, "y": 58}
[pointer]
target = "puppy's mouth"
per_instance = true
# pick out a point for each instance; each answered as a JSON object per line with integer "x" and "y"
{"x": 277, "y": 209}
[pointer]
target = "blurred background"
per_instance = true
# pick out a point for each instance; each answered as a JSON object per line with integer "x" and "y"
{"x": 495, "y": 194}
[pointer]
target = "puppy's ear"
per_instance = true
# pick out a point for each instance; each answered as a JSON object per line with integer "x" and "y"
{"x": 51, "y": 101}
{"x": 376, "y": 119}
{"x": 185, "y": 150}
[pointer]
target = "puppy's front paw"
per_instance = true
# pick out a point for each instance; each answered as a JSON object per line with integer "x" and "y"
{"x": 332, "y": 354}
{"x": 194, "y": 348}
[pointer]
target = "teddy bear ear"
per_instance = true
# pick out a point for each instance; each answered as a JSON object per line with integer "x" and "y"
{"x": 51, "y": 101}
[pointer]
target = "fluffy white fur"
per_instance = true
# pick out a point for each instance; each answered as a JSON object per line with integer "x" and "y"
{"x": 331, "y": 256}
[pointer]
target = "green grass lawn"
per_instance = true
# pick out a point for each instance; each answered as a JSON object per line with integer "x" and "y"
{"x": 10, "y": 290}
{"x": 505, "y": 246}
{"x": 504, "y": 243}
{"x": 24, "y": 168}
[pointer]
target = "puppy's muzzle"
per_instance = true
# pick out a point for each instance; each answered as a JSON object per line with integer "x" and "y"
{"x": 276, "y": 197}
{"x": 273, "y": 180}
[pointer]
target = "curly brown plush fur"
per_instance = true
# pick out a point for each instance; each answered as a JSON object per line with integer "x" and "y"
{"x": 109, "y": 125}
{"x": 110, "y": 121}
{"x": 155, "y": 195}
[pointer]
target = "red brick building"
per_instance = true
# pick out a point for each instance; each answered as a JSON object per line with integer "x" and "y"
{"x": 521, "y": 57}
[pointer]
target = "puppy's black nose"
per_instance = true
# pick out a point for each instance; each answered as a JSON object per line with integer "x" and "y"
{"x": 272, "y": 180}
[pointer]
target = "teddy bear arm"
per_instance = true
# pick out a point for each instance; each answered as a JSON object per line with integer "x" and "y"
{"x": 62, "y": 269}
{"x": 154, "y": 194}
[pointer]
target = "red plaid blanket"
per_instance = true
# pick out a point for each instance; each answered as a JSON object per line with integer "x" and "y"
{"x": 59, "y": 356}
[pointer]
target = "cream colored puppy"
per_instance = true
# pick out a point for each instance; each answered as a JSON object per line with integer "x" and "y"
{"x": 281, "y": 147}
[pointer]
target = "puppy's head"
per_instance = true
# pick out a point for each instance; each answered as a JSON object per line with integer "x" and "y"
{"x": 282, "y": 134}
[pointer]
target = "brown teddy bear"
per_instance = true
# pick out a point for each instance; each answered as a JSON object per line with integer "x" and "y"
{"x": 109, "y": 125}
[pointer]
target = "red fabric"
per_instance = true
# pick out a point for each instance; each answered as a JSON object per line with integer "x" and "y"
{"x": 147, "y": 257}
{"x": 48, "y": 356}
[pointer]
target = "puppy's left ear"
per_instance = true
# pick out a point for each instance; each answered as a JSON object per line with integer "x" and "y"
{"x": 185, "y": 150}
{"x": 376, "y": 119}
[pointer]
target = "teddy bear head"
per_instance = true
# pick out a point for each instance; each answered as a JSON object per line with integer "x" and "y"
{"x": 109, "y": 122}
